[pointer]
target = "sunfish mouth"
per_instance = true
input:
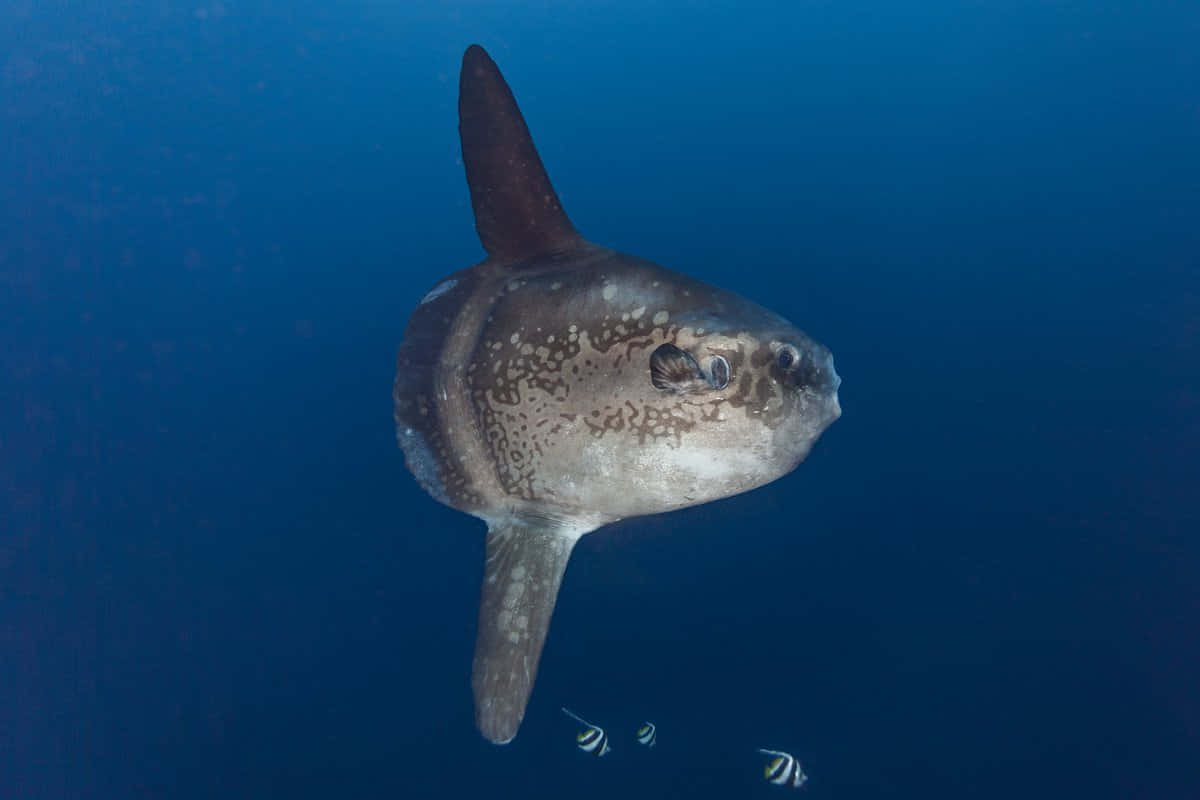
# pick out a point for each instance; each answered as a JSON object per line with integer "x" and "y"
{"x": 819, "y": 376}
{"x": 835, "y": 381}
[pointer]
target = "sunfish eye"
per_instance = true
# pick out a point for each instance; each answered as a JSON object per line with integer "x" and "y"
{"x": 718, "y": 370}
{"x": 787, "y": 357}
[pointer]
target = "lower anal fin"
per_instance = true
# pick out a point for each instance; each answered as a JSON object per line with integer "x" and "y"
{"x": 525, "y": 566}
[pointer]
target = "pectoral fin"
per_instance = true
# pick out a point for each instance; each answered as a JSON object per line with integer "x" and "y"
{"x": 525, "y": 565}
{"x": 676, "y": 371}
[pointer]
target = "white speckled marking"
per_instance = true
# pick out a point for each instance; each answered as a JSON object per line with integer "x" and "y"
{"x": 439, "y": 290}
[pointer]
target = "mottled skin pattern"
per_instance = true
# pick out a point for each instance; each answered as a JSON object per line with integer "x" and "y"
{"x": 560, "y": 380}
{"x": 558, "y": 386}
{"x": 562, "y": 405}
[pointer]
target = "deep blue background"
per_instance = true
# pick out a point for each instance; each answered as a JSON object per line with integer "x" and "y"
{"x": 217, "y": 578}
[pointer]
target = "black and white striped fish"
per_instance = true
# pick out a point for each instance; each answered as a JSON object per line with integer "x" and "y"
{"x": 783, "y": 769}
{"x": 592, "y": 739}
{"x": 647, "y": 734}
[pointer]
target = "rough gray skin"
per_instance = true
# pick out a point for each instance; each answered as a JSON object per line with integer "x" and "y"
{"x": 531, "y": 392}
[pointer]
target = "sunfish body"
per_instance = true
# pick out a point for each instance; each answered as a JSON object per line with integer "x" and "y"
{"x": 558, "y": 386}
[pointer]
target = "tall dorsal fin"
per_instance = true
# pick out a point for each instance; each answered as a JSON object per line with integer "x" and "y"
{"x": 517, "y": 213}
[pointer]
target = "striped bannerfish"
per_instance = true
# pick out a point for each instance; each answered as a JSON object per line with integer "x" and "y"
{"x": 592, "y": 739}
{"x": 647, "y": 734}
{"x": 783, "y": 769}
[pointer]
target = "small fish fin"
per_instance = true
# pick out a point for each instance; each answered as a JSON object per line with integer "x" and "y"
{"x": 525, "y": 565}
{"x": 576, "y": 717}
{"x": 517, "y": 212}
{"x": 675, "y": 370}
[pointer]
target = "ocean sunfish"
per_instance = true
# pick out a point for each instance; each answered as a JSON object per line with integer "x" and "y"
{"x": 558, "y": 386}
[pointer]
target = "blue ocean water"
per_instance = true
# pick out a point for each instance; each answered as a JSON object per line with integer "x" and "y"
{"x": 217, "y": 578}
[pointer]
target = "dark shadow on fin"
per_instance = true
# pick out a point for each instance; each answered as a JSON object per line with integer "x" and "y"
{"x": 517, "y": 213}
{"x": 525, "y": 565}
